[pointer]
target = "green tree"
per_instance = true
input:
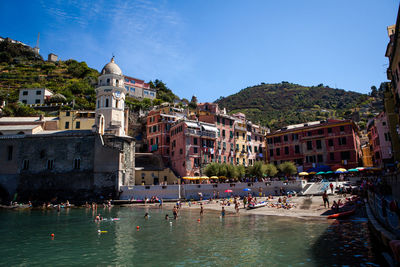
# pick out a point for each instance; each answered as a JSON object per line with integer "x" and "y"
{"x": 256, "y": 170}
{"x": 270, "y": 169}
{"x": 241, "y": 171}
{"x": 287, "y": 168}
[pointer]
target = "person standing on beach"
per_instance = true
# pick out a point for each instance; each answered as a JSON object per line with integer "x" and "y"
{"x": 201, "y": 209}
{"x": 331, "y": 186}
{"x": 244, "y": 202}
{"x": 175, "y": 212}
{"x": 325, "y": 199}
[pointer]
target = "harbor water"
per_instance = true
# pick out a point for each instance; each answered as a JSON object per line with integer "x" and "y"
{"x": 246, "y": 240}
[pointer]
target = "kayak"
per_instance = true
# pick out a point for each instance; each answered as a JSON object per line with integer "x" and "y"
{"x": 258, "y": 205}
{"x": 342, "y": 214}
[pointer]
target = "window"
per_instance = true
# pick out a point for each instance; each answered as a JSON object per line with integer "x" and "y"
{"x": 77, "y": 163}
{"x": 24, "y": 102}
{"x": 237, "y": 147}
{"x": 286, "y": 150}
{"x": 67, "y": 113}
{"x": 309, "y": 133}
{"x": 285, "y": 138}
{"x": 224, "y": 145}
{"x": 277, "y": 139}
{"x": 50, "y": 164}
{"x": 278, "y": 151}
{"x": 309, "y": 145}
{"x": 269, "y": 140}
{"x": 223, "y": 121}
{"x": 25, "y": 93}
{"x": 319, "y": 144}
{"x": 256, "y": 149}
{"x": 108, "y": 81}
{"x": 230, "y": 123}
{"x": 25, "y": 164}
{"x": 295, "y": 137}
{"x": 217, "y": 120}
{"x": 180, "y": 151}
{"x": 320, "y": 158}
{"x": 342, "y": 128}
{"x": 271, "y": 152}
{"x": 195, "y": 150}
{"x": 321, "y": 131}
{"x": 332, "y": 156}
{"x": 329, "y": 130}
{"x": 330, "y": 142}
{"x": 296, "y": 149}
{"x": 249, "y": 138}
{"x": 223, "y": 131}
{"x": 106, "y": 103}
{"x": 230, "y": 134}
{"x": 243, "y": 136}
{"x": 224, "y": 159}
{"x": 37, "y": 101}
{"x": 78, "y": 125}
{"x": 384, "y": 123}
{"x": 342, "y": 141}
{"x": 244, "y": 161}
{"x": 66, "y": 125}
{"x": 10, "y": 152}
{"x": 38, "y": 92}
{"x": 195, "y": 141}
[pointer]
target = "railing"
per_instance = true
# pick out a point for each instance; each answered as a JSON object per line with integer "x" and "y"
{"x": 200, "y": 133}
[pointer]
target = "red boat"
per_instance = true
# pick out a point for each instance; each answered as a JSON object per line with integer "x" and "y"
{"x": 343, "y": 214}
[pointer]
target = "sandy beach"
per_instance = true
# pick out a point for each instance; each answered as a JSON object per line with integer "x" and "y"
{"x": 303, "y": 207}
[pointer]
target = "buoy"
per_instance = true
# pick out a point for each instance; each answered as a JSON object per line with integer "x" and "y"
{"x": 102, "y": 232}
{"x": 137, "y": 227}
{"x": 198, "y": 220}
{"x": 52, "y": 235}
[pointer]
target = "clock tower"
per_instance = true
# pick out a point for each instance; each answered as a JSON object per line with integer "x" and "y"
{"x": 110, "y": 101}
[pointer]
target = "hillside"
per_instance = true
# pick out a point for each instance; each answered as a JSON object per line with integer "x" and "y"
{"x": 20, "y": 67}
{"x": 277, "y": 105}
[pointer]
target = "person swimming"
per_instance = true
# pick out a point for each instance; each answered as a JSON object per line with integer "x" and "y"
{"x": 166, "y": 217}
{"x": 223, "y": 212}
{"x": 146, "y": 216}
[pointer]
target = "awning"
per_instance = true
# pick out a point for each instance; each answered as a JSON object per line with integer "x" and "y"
{"x": 192, "y": 124}
{"x": 210, "y": 128}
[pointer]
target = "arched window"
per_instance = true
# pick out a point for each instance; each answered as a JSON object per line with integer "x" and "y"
{"x": 98, "y": 103}
{"x": 116, "y": 103}
{"x": 108, "y": 81}
{"x": 106, "y": 102}
{"x": 117, "y": 82}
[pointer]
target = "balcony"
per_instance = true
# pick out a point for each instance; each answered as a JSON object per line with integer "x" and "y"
{"x": 200, "y": 133}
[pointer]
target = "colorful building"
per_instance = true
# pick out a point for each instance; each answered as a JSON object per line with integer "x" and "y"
{"x": 158, "y": 127}
{"x": 138, "y": 88}
{"x": 380, "y": 140}
{"x": 241, "y": 148}
{"x": 210, "y": 113}
{"x": 332, "y": 142}
{"x": 192, "y": 146}
{"x": 76, "y": 120}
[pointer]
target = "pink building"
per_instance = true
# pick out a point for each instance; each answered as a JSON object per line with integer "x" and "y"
{"x": 192, "y": 146}
{"x": 380, "y": 140}
{"x": 138, "y": 88}
{"x": 158, "y": 127}
{"x": 225, "y": 143}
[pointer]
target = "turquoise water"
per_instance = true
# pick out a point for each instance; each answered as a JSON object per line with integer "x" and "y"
{"x": 232, "y": 241}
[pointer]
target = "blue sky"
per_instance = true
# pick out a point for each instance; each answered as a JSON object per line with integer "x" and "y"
{"x": 213, "y": 48}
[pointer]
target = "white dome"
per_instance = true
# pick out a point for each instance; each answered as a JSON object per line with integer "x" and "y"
{"x": 111, "y": 68}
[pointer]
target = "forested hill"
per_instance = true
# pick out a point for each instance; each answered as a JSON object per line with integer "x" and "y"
{"x": 281, "y": 104}
{"x": 70, "y": 80}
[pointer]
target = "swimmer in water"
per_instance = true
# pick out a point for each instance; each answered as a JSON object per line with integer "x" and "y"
{"x": 223, "y": 212}
{"x": 146, "y": 216}
{"x": 166, "y": 217}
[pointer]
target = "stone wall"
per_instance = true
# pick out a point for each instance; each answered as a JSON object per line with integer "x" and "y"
{"x": 74, "y": 166}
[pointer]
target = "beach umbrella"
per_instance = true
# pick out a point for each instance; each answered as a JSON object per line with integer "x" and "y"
{"x": 228, "y": 191}
{"x": 320, "y": 173}
{"x": 353, "y": 170}
{"x": 312, "y": 173}
{"x": 303, "y": 173}
{"x": 214, "y": 177}
{"x": 360, "y": 168}
{"x": 341, "y": 170}
{"x": 329, "y": 172}
{"x": 247, "y": 189}
{"x": 204, "y": 177}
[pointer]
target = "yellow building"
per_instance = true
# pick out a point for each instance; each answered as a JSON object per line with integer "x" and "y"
{"x": 76, "y": 120}
{"x": 241, "y": 142}
{"x": 150, "y": 170}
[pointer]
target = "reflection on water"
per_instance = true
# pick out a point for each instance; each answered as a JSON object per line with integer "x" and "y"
{"x": 233, "y": 240}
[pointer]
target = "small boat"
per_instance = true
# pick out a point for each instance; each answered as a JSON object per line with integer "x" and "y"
{"x": 343, "y": 214}
{"x": 258, "y": 205}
